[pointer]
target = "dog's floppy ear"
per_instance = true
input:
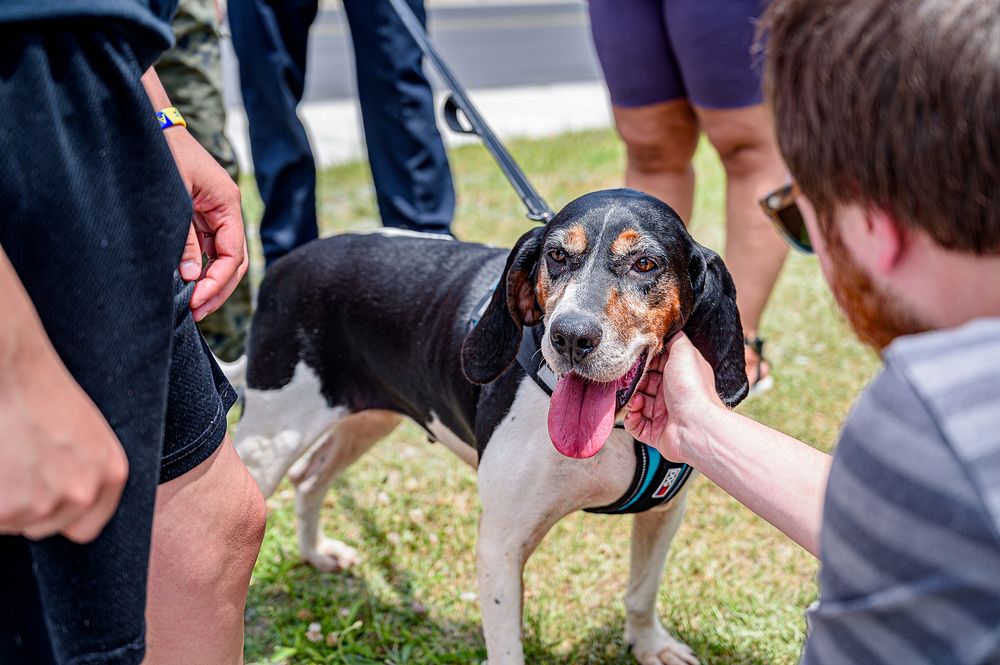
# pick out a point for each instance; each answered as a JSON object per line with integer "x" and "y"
{"x": 491, "y": 347}
{"x": 714, "y": 324}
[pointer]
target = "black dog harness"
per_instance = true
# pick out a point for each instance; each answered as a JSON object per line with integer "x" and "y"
{"x": 656, "y": 480}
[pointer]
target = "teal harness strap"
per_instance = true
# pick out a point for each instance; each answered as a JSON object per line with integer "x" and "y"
{"x": 657, "y": 480}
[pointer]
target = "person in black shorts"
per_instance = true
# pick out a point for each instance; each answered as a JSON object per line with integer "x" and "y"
{"x": 109, "y": 399}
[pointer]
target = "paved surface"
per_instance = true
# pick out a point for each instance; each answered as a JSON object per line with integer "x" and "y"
{"x": 487, "y": 46}
{"x": 529, "y": 66}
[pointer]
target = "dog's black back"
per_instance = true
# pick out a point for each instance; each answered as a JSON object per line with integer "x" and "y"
{"x": 381, "y": 320}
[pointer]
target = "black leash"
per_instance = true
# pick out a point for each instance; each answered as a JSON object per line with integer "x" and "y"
{"x": 458, "y": 106}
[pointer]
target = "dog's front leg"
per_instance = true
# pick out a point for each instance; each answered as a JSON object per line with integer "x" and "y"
{"x": 499, "y": 563}
{"x": 652, "y": 533}
{"x": 505, "y": 542}
{"x": 519, "y": 508}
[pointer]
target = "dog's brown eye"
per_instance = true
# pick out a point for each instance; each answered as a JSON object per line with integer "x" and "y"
{"x": 557, "y": 255}
{"x": 644, "y": 265}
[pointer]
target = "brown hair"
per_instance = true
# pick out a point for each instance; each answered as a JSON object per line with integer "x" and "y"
{"x": 892, "y": 103}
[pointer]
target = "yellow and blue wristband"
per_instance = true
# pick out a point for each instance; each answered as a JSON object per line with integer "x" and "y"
{"x": 170, "y": 117}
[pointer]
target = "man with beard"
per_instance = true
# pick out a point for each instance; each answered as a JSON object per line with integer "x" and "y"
{"x": 886, "y": 114}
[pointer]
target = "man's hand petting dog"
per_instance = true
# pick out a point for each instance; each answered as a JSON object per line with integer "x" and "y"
{"x": 216, "y": 229}
{"x": 663, "y": 417}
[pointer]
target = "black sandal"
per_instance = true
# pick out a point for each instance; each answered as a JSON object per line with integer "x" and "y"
{"x": 761, "y": 384}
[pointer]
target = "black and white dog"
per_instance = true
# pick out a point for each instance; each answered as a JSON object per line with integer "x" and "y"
{"x": 355, "y": 331}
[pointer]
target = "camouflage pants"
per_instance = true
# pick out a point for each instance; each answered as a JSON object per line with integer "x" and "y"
{"x": 191, "y": 73}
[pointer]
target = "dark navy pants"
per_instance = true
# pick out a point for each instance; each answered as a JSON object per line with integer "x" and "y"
{"x": 409, "y": 166}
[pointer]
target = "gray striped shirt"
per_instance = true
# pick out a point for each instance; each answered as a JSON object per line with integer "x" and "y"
{"x": 910, "y": 545}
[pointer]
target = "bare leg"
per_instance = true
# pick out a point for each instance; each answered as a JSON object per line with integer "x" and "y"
{"x": 652, "y": 533}
{"x": 754, "y": 250}
{"x": 349, "y": 440}
{"x": 207, "y": 531}
{"x": 660, "y": 140}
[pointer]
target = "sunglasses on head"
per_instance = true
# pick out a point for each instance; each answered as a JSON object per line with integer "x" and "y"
{"x": 781, "y": 208}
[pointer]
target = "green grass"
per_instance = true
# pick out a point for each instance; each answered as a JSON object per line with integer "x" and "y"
{"x": 734, "y": 589}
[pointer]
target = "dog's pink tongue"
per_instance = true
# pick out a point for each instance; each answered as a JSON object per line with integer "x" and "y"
{"x": 581, "y": 415}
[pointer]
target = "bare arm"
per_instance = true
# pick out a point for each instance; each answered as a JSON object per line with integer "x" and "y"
{"x": 217, "y": 226}
{"x": 776, "y": 476}
{"x": 154, "y": 90}
{"x": 780, "y": 478}
{"x": 62, "y": 470}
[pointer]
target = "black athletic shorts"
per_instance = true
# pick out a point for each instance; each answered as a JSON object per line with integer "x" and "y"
{"x": 93, "y": 216}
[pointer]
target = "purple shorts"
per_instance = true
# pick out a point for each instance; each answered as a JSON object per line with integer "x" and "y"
{"x": 655, "y": 51}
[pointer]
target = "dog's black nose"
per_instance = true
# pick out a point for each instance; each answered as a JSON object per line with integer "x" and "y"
{"x": 575, "y": 335}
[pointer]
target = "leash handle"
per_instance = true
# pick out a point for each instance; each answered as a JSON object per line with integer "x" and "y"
{"x": 458, "y": 107}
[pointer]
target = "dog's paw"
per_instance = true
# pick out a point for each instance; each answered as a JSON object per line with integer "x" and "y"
{"x": 656, "y": 646}
{"x": 332, "y": 556}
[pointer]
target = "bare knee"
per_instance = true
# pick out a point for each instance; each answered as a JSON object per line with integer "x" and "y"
{"x": 742, "y": 150}
{"x": 743, "y": 159}
{"x": 208, "y": 531}
{"x": 660, "y": 138}
{"x": 744, "y": 140}
{"x": 248, "y": 520}
{"x": 242, "y": 519}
